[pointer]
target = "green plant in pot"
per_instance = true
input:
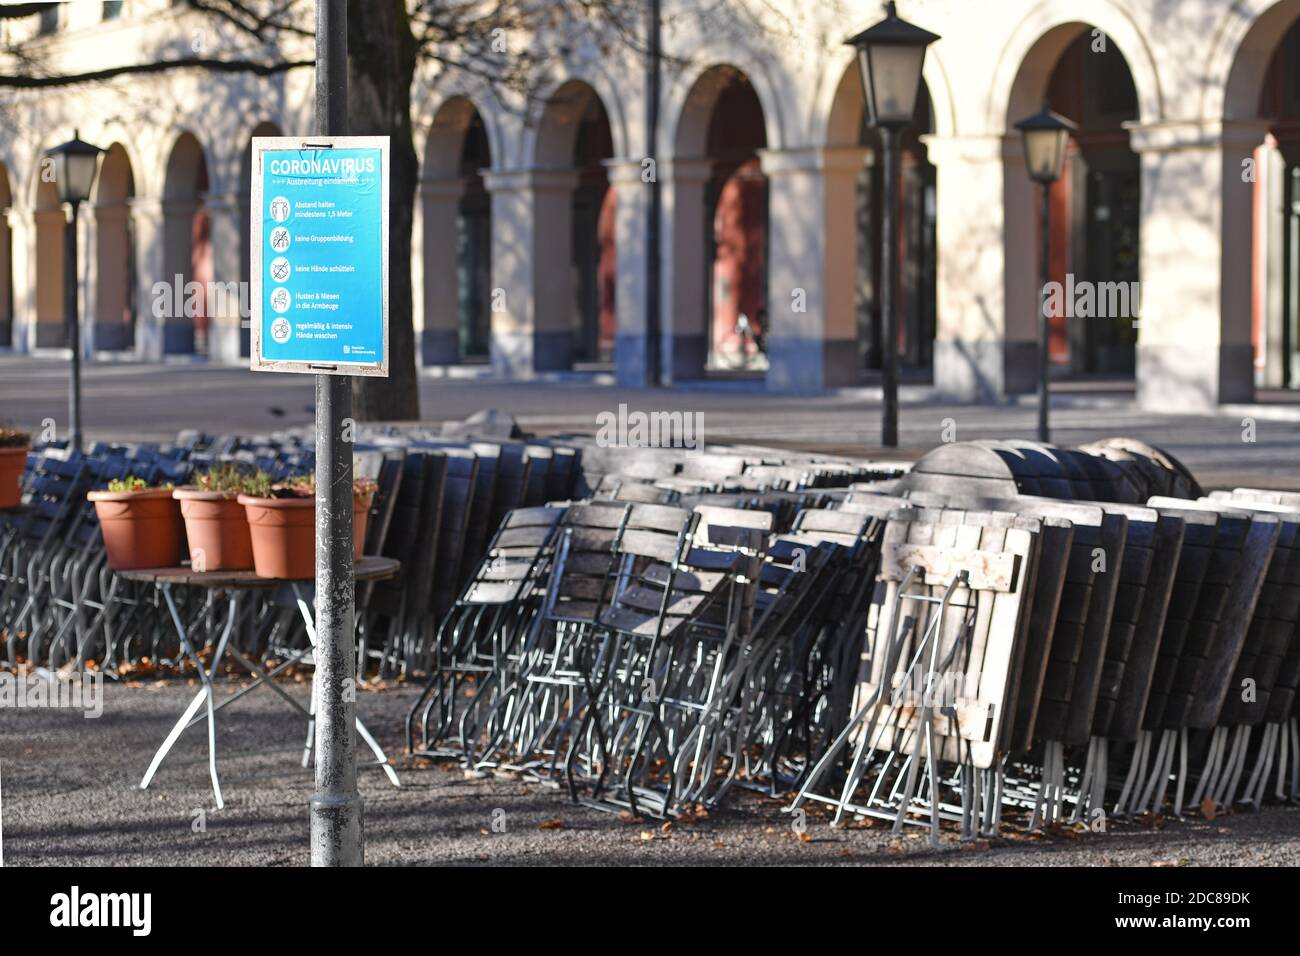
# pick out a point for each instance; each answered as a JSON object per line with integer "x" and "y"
{"x": 216, "y": 524}
{"x": 14, "y": 446}
{"x": 282, "y": 523}
{"x": 141, "y": 524}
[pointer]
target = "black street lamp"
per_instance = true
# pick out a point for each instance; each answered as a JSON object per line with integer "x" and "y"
{"x": 1044, "y": 135}
{"x": 75, "y": 164}
{"x": 890, "y": 57}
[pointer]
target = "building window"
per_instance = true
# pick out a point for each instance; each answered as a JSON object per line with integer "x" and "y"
{"x": 112, "y": 9}
{"x": 49, "y": 22}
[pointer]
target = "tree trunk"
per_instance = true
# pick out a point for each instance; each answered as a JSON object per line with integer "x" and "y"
{"x": 381, "y": 68}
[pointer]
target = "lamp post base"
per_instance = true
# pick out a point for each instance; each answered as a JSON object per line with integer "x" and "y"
{"x": 336, "y": 830}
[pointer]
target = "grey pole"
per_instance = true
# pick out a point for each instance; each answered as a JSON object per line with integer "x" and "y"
{"x": 889, "y": 334}
{"x": 1044, "y": 271}
{"x": 652, "y": 298}
{"x": 73, "y": 319}
{"x": 336, "y": 838}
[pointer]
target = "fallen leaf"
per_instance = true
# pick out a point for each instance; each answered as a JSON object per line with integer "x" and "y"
{"x": 1208, "y": 807}
{"x": 556, "y": 824}
{"x": 647, "y": 834}
{"x": 693, "y": 814}
{"x": 805, "y": 836}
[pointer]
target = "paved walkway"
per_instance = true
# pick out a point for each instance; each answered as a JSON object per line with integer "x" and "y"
{"x": 124, "y": 400}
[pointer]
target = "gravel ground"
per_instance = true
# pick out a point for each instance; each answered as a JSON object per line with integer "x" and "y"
{"x": 70, "y": 797}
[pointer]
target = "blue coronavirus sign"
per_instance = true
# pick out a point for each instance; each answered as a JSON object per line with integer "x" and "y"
{"x": 320, "y": 255}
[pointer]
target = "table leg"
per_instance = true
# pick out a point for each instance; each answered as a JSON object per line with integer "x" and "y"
{"x": 175, "y": 732}
{"x": 310, "y": 623}
{"x": 378, "y": 752}
{"x": 204, "y": 696}
{"x": 310, "y": 743}
{"x": 373, "y": 744}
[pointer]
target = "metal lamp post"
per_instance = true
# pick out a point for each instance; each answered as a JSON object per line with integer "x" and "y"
{"x": 75, "y": 164}
{"x": 890, "y": 57}
{"x": 1044, "y": 136}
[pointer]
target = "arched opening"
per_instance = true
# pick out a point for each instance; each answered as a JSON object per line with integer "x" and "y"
{"x": 115, "y": 262}
{"x": 6, "y": 263}
{"x": 915, "y": 296}
{"x": 574, "y": 135}
{"x": 245, "y": 242}
{"x": 736, "y": 204}
{"x": 474, "y": 246}
{"x": 187, "y": 248}
{"x": 457, "y": 233}
{"x": 720, "y": 291}
{"x": 51, "y": 224}
{"x": 1096, "y": 207}
{"x": 1275, "y": 300}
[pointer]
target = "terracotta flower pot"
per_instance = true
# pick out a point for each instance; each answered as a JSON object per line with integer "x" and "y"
{"x": 360, "y": 517}
{"x": 142, "y": 529}
{"x": 217, "y": 528}
{"x": 12, "y": 463}
{"x": 283, "y": 532}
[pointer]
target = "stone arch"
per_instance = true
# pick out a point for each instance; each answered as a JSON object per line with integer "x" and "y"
{"x": 561, "y": 103}
{"x": 689, "y": 99}
{"x": 837, "y": 113}
{"x": 1243, "y": 46}
{"x": 1031, "y": 52}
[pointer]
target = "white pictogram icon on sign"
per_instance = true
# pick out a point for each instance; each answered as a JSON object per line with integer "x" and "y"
{"x": 280, "y": 239}
{"x": 279, "y": 209}
{"x": 281, "y": 330}
{"x": 280, "y": 269}
{"x": 280, "y": 299}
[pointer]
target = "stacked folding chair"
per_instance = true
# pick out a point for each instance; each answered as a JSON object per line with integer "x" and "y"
{"x": 954, "y": 603}
{"x": 481, "y": 641}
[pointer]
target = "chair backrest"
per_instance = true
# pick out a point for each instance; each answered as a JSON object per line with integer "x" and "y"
{"x": 458, "y": 501}
{"x": 1243, "y": 549}
{"x": 584, "y": 570}
{"x": 516, "y": 557}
